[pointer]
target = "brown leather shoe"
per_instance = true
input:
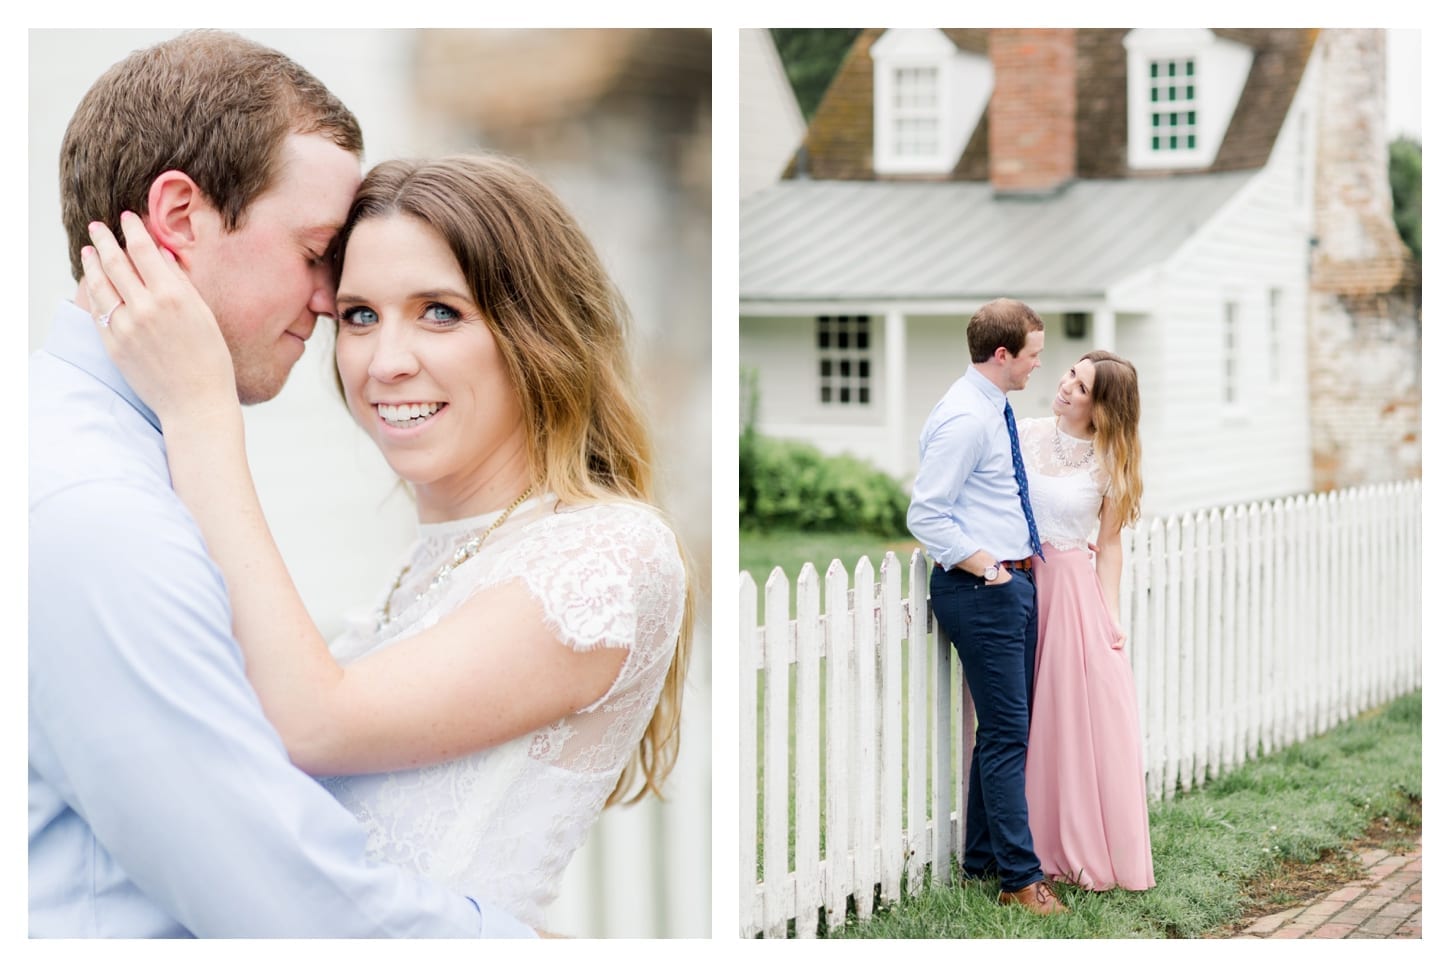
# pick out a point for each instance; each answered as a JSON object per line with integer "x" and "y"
{"x": 1037, "y": 897}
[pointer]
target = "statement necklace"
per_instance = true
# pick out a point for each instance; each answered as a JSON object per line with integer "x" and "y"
{"x": 465, "y": 551}
{"x": 1060, "y": 451}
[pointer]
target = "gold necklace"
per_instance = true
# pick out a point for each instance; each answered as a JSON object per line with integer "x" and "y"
{"x": 1061, "y": 452}
{"x": 465, "y": 551}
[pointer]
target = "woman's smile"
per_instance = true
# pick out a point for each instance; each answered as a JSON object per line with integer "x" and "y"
{"x": 408, "y": 416}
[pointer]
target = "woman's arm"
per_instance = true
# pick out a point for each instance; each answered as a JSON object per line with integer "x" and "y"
{"x": 1110, "y": 561}
{"x": 445, "y": 692}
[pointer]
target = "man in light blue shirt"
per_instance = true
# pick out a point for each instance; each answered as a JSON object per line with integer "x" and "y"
{"x": 161, "y": 802}
{"x": 969, "y": 508}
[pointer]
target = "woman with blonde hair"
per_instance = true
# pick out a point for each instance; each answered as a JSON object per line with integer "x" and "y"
{"x": 525, "y": 667}
{"x": 1085, "y": 790}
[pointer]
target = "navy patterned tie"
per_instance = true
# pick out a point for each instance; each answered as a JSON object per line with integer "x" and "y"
{"x": 1021, "y": 473}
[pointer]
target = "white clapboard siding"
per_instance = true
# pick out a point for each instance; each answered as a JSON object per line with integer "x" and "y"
{"x": 1249, "y": 628}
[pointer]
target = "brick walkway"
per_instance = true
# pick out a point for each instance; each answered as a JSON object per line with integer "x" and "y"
{"x": 1385, "y": 902}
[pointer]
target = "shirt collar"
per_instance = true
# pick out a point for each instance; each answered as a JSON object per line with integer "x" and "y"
{"x": 73, "y": 338}
{"x": 987, "y": 388}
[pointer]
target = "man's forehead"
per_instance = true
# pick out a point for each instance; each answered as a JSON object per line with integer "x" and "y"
{"x": 316, "y": 169}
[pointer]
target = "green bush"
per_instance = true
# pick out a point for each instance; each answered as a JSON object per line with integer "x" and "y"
{"x": 785, "y": 484}
{"x": 793, "y": 485}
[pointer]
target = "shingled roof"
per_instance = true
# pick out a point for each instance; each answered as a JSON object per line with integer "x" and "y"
{"x": 839, "y": 141}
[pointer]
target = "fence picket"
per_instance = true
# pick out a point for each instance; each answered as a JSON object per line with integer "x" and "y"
{"x": 941, "y": 774}
{"x": 892, "y": 846}
{"x": 964, "y": 734}
{"x": 918, "y": 618}
{"x": 1249, "y": 628}
{"x": 808, "y": 883}
{"x": 1336, "y": 593}
{"x": 1322, "y": 525}
{"x": 1275, "y": 585}
{"x": 838, "y": 734}
{"x": 1138, "y": 607}
{"x": 1307, "y": 624}
{"x": 866, "y": 771}
{"x": 1232, "y": 586}
{"x": 1203, "y": 644}
{"x": 1254, "y": 631}
{"x": 1377, "y": 561}
{"x": 777, "y": 749}
{"x": 749, "y": 826}
{"x": 1171, "y": 648}
{"x": 1238, "y": 681}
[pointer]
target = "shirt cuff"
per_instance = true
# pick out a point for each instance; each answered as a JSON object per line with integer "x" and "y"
{"x": 499, "y": 925}
{"x": 956, "y": 555}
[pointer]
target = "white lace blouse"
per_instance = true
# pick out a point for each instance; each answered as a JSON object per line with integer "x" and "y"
{"x": 500, "y": 825}
{"x": 1066, "y": 483}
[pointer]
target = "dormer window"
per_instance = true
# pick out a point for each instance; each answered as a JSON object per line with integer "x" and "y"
{"x": 1183, "y": 86}
{"x": 1172, "y": 106}
{"x": 929, "y": 96}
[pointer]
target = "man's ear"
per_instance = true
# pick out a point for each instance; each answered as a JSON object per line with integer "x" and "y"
{"x": 176, "y": 213}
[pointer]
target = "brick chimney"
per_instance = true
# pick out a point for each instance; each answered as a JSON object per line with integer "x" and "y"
{"x": 1032, "y": 117}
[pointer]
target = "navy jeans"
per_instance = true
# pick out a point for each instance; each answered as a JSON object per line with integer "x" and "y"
{"x": 994, "y": 629}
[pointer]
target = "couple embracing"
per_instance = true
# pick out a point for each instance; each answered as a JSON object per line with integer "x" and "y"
{"x": 1029, "y": 598}
{"x": 202, "y": 763}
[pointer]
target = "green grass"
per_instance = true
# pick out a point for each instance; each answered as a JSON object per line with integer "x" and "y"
{"x": 790, "y": 550}
{"x": 1208, "y": 844}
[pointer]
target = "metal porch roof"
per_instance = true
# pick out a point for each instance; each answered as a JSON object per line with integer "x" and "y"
{"x": 834, "y": 240}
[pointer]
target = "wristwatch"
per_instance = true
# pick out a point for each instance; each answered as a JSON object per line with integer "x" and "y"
{"x": 990, "y": 574}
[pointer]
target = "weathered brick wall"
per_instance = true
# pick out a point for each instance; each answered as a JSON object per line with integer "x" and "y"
{"x": 1364, "y": 308}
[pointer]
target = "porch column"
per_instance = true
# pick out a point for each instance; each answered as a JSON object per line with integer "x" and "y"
{"x": 894, "y": 391}
{"x": 1105, "y": 329}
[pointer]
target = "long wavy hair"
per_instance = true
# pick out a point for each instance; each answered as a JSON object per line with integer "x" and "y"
{"x": 561, "y": 327}
{"x": 1115, "y": 413}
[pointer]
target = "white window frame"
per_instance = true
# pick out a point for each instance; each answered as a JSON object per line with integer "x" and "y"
{"x": 844, "y": 369}
{"x": 1219, "y": 69}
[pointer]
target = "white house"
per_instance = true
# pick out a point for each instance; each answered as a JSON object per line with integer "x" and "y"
{"x": 1152, "y": 192}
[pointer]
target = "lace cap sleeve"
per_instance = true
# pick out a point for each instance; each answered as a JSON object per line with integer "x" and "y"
{"x": 606, "y": 575}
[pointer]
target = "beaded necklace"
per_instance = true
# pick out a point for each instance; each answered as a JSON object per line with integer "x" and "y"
{"x": 1060, "y": 451}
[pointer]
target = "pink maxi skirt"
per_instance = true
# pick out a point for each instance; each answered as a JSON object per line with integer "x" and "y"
{"x": 1085, "y": 793}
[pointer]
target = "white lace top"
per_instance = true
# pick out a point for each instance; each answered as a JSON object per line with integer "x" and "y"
{"x": 1065, "y": 481}
{"x": 500, "y": 825}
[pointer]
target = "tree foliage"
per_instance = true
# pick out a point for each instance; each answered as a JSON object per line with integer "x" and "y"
{"x": 811, "y": 58}
{"x": 1405, "y": 163}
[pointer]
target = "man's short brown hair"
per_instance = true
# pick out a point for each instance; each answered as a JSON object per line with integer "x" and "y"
{"x": 1001, "y": 322}
{"x": 208, "y": 103}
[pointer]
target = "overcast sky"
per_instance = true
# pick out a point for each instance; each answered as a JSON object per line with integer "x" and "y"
{"x": 1404, "y": 83}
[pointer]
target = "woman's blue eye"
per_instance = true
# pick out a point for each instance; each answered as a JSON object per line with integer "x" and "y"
{"x": 438, "y": 312}
{"x": 359, "y": 316}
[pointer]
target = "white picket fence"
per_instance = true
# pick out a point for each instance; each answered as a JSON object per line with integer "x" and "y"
{"x": 1249, "y": 628}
